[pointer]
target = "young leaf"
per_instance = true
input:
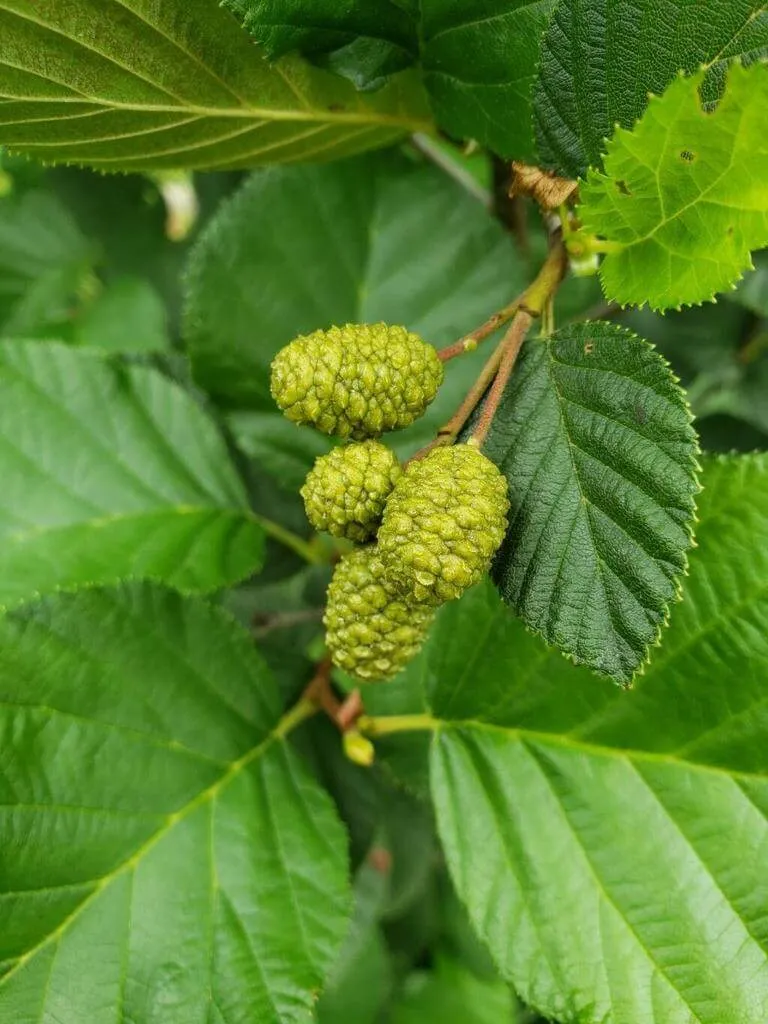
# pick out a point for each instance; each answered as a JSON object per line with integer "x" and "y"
{"x": 110, "y": 471}
{"x": 366, "y": 41}
{"x": 252, "y": 288}
{"x": 683, "y": 198}
{"x": 165, "y": 855}
{"x": 611, "y": 847}
{"x": 480, "y": 68}
{"x": 136, "y": 84}
{"x": 601, "y": 58}
{"x": 595, "y": 439}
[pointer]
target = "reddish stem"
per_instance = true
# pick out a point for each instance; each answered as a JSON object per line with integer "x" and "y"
{"x": 510, "y": 349}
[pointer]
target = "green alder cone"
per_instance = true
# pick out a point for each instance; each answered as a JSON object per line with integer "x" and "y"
{"x": 347, "y": 489}
{"x": 372, "y": 631}
{"x": 356, "y": 381}
{"x": 443, "y": 523}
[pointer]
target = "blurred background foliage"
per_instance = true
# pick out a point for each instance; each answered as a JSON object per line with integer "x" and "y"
{"x": 96, "y": 260}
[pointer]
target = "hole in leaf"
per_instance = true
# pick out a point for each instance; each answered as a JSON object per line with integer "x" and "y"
{"x": 623, "y": 188}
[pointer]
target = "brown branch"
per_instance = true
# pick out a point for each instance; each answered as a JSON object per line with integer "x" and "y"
{"x": 510, "y": 349}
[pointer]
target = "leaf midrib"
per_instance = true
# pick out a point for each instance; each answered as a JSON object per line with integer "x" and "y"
{"x": 234, "y": 769}
{"x": 629, "y": 754}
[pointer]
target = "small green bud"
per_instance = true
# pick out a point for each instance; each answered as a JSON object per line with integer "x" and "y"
{"x": 345, "y": 493}
{"x": 356, "y": 381}
{"x": 443, "y": 523}
{"x": 372, "y": 632}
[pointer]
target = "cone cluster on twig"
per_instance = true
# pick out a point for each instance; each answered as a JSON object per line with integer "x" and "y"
{"x": 429, "y": 531}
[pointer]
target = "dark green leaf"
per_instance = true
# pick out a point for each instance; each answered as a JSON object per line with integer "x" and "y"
{"x": 595, "y": 439}
{"x": 601, "y": 58}
{"x": 134, "y": 84}
{"x": 612, "y": 847}
{"x": 365, "y": 40}
{"x": 110, "y": 471}
{"x": 480, "y": 65}
{"x": 165, "y": 857}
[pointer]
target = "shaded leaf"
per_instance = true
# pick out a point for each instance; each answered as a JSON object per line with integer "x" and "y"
{"x": 133, "y": 84}
{"x": 110, "y": 471}
{"x": 452, "y": 994}
{"x": 683, "y": 198}
{"x": 601, "y": 58}
{"x": 44, "y": 259}
{"x": 480, "y": 68}
{"x": 595, "y": 439}
{"x": 179, "y": 848}
{"x": 366, "y": 41}
{"x": 127, "y": 316}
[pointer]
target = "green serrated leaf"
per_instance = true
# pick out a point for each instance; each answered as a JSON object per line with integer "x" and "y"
{"x": 612, "y": 847}
{"x": 366, "y": 40}
{"x": 410, "y": 246}
{"x": 601, "y": 58}
{"x": 480, "y": 68}
{"x": 684, "y": 196}
{"x": 134, "y": 84}
{"x": 127, "y": 316}
{"x": 156, "y": 826}
{"x": 595, "y": 439}
{"x": 111, "y": 471}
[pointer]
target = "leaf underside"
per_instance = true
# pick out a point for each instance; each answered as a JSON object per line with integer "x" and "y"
{"x": 684, "y": 196}
{"x": 133, "y": 84}
{"x": 595, "y": 439}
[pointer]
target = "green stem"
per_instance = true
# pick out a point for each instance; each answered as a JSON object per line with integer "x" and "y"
{"x": 290, "y": 540}
{"x": 300, "y": 712}
{"x": 381, "y": 726}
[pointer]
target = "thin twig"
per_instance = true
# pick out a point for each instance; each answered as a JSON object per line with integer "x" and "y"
{"x": 448, "y": 433}
{"x": 510, "y": 349}
{"x": 469, "y": 342}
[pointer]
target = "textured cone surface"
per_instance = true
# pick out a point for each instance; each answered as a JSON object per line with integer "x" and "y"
{"x": 372, "y": 632}
{"x": 443, "y": 523}
{"x": 346, "y": 491}
{"x": 356, "y": 381}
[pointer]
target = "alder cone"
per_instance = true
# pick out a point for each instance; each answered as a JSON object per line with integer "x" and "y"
{"x": 356, "y": 381}
{"x": 345, "y": 493}
{"x": 372, "y": 631}
{"x": 443, "y": 523}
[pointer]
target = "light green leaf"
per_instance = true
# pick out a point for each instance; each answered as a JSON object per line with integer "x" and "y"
{"x": 110, "y": 471}
{"x": 452, "y": 994}
{"x": 684, "y": 196}
{"x": 165, "y": 857}
{"x": 595, "y": 439}
{"x": 252, "y": 288}
{"x": 611, "y": 847}
{"x": 601, "y": 58}
{"x": 480, "y": 67}
{"x": 135, "y": 84}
